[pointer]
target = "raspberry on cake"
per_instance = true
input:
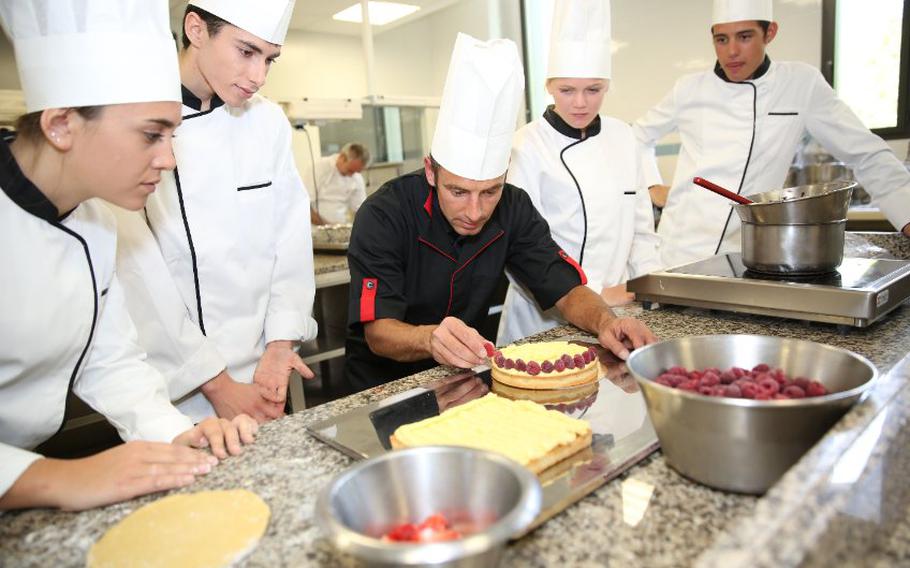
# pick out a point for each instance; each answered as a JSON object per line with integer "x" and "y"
{"x": 545, "y": 365}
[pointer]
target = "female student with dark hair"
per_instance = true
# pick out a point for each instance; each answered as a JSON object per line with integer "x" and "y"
{"x": 101, "y": 85}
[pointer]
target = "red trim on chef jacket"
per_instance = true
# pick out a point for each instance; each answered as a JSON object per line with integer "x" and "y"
{"x": 428, "y": 204}
{"x": 368, "y": 299}
{"x": 572, "y": 261}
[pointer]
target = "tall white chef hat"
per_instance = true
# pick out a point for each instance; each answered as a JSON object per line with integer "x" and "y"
{"x": 741, "y": 10}
{"x": 580, "y": 40}
{"x": 73, "y": 53}
{"x": 479, "y": 109}
{"x": 265, "y": 19}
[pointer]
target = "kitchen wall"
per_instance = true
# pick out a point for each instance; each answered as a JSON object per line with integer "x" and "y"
{"x": 411, "y": 59}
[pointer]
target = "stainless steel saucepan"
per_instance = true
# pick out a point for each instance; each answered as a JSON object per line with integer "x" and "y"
{"x": 797, "y": 230}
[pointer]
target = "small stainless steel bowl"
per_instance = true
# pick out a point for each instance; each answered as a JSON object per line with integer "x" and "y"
{"x": 738, "y": 444}
{"x": 496, "y": 494}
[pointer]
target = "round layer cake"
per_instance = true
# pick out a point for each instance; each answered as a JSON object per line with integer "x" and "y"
{"x": 545, "y": 365}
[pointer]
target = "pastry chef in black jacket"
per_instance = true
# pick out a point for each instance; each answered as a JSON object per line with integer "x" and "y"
{"x": 428, "y": 249}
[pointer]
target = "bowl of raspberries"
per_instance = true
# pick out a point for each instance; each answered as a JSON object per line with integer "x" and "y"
{"x": 734, "y": 412}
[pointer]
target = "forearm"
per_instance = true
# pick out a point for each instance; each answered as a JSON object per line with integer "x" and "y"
{"x": 585, "y": 309}
{"x": 36, "y": 487}
{"x": 399, "y": 341}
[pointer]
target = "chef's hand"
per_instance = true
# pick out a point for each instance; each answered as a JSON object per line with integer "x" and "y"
{"x": 230, "y": 398}
{"x": 274, "y": 369}
{"x": 617, "y": 295}
{"x": 224, "y": 437}
{"x": 454, "y": 343}
{"x": 620, "y": 335}
{"x": 906, "y": 230}
{"x": 118, "y": 474}
{"x": 659, "y": 194}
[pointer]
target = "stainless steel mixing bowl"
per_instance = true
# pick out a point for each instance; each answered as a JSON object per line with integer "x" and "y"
{"x": 470, "y": 486}
{"x": 737, "y": 444}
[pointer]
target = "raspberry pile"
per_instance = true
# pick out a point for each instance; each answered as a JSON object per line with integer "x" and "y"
{"x": 434, "y": 528}
{"x": 535, "y": 368}
{"x": 761, "y": 383}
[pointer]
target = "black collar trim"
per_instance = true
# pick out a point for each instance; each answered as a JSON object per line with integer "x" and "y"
{"x": 762, "y": 69}
{"x": 194, "y": 102}
{"x": 565, "y": 129}
{"x": 19, "y": 188}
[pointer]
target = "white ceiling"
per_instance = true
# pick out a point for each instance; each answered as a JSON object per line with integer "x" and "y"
{"x": 316, "y": 15}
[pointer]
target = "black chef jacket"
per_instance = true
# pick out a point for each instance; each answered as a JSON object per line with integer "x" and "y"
{"x": 408, "y": 263}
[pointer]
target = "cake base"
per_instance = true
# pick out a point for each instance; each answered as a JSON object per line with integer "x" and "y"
{"x": 549, "y": 459}
{"x": 546, "y": 396}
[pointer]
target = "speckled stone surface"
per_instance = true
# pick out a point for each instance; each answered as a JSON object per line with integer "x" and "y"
{"x": 895, "y": 243}
{"x": 327, "y": 263}
{"x": 803, "y": 519}
{"x": 339, "y": 234}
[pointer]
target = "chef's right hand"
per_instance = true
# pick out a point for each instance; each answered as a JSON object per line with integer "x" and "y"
{"x": 118, "y": 474}
{"x": 230, "y": 399}
{"x": 454, "y": 343}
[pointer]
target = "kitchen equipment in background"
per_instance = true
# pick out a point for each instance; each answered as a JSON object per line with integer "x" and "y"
{"x": 622, "y": 434}
{"x": 739, "y": 444}
{"x": 797, "y": 230}
{"x": 331, "y": 238}
{"x": 812, "y": 164}
{"x": 469, "y": 487}
{"x": 721, "y": 191}
{"x": 860, "y": 292}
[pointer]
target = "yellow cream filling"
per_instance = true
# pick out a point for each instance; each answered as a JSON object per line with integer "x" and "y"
{"x": 522, "y": 430}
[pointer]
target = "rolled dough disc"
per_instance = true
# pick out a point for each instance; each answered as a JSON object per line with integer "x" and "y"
{"x": 208, "y": 528}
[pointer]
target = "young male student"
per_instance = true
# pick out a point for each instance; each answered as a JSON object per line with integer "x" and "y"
{"x": 740, "y": 124}
{"x": 218, "y": 269}
{"x": 428, "y": 249}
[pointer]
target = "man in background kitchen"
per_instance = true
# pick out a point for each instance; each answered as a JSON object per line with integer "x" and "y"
{"x": 740, "y": 125}
{"x": 218, "y": 270}
{"x": 336, "y": 186}
{"x": 428, "y": 249}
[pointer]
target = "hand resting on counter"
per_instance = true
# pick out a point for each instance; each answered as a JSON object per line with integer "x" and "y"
{"x": 129, "y": 470}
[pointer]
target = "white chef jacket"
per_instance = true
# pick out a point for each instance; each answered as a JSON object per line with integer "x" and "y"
{"x": 615, "y": 220}
{"x": 221, "y": 260}
{"x": 743, "y": 136}
{"x": 63, "y": 323}
{"x": 332, "y": 193}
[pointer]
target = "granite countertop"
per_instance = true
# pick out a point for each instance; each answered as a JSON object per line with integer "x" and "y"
{"x": 837, "y": 489}
{"x": 328, "y": 263}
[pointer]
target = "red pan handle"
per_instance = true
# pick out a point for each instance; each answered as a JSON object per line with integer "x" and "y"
{"x": 721, "y": 191}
